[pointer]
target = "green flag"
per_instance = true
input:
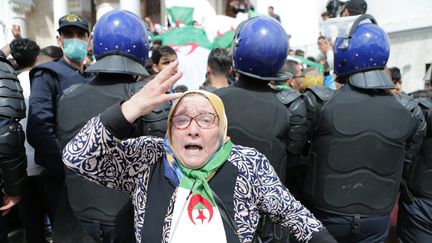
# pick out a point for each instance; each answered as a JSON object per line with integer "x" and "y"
{"x": 185, "y": 35}
{"x": 310, "y": 63}
{"x": 181, "y": 15}
{"x": 225, "y": 40}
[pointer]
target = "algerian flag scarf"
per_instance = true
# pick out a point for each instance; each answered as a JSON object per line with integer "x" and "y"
{"x": 196, "y": 179}
{"x": 195, "y": 214}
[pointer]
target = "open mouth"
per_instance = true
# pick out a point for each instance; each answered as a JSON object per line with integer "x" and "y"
{"x": 193, "y": 147}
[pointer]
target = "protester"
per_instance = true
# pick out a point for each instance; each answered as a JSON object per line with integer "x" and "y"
{"x": 272, "y": 14}
{"x": 354, "y": 7}
{"x": 210, "y": 187}
{"x": 49, "y": 53}
{"x": 295, "y": 76}
{"x": 325, "y": 16}
{"x": 396, "y": 77}
{"x": 48, "y": 81}
{"x": 219, "y": 68}
{"x": 312, "y": 78}
{"x": 326, "y": 55}
{"x": 161, "y": 57}
{"x": 361, "y": 137}
{"x": 16, "y": 33}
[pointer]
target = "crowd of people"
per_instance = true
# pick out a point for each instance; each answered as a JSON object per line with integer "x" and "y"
{"x": 98, "y": 140}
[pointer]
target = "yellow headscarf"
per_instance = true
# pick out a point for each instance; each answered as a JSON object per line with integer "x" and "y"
{"x": 196, "y": 180}
{"x": 217, "y": 105}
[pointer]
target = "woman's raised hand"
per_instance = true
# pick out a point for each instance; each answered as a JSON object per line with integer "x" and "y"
{"x": 153, "y": 94}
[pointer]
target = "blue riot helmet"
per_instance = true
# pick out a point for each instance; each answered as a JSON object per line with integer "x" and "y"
{"x": 362, "y": 54}
{"x": 120, "y": 44}
{"x": 260, "y": 48}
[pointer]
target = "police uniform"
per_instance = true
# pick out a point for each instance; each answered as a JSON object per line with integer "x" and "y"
{"x": 415, "y": 202}
{"x": 361, "y": 135}
{"x": 12, "y": 151}
{"x": 106, "y": 214}
{"x": 274, "y": 122}
{"x": 48, "y": 82}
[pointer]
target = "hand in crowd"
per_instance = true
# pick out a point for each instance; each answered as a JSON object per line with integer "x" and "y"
{"x": 16, "y": 31}
{"x": 324, "y": 45}
{"x": 153, "y": 94}
{"x": 8, "y": 203}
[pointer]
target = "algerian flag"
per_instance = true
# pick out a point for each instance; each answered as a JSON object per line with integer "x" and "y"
{"x": 192, "y": 48}
{"x": 181, "y": 15}
{"x": 224, "y": 40}
{"x": 195, "y": 219}
{"x": 220, "y": 29}
{"x": 184, "y": 12}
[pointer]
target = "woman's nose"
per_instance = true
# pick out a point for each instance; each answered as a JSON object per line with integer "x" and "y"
{"x": 194, "y": 128}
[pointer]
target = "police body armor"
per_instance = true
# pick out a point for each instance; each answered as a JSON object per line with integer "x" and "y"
{"x": 66, "y": 76}
{"x": 273, "y": 124}
{"x": 357, "y": 152}
{"x": 420, "y": 172}
{"x": 89, "y": 201}
{"x": 13, "y": 159}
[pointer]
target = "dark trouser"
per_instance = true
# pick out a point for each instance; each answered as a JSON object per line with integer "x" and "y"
{"x": 3, "y": 225}
{"x": 415, "y": 220}
{"x": 355, "y": 229}
{"x": 53, "y": 188}
{"x": 109, "y": 234}
{"x": 32, "y": 209}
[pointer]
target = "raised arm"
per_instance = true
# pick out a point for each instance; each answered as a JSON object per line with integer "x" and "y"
{"x": 99, "y": 151}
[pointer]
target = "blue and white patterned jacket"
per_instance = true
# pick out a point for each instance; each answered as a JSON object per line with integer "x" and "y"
{"x": 98, "y": 155}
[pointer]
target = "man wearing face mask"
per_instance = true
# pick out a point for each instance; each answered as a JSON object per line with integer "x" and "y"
{"x": 48, "y": 81}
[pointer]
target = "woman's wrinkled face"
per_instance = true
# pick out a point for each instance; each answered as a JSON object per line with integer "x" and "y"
{"x": 194, "y": 145}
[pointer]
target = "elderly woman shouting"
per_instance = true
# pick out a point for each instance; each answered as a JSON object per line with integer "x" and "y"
{"x": 194, "y": 185}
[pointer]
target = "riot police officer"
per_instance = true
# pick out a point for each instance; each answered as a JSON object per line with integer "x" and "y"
{"x": 12, "y": 152}
{"x": 272, "y": 122}
{"x": 360, "y": 138}
{"x": 121, "y": 47}
{"x": 48, "y": 81}
{"x": 415, "y": 202}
